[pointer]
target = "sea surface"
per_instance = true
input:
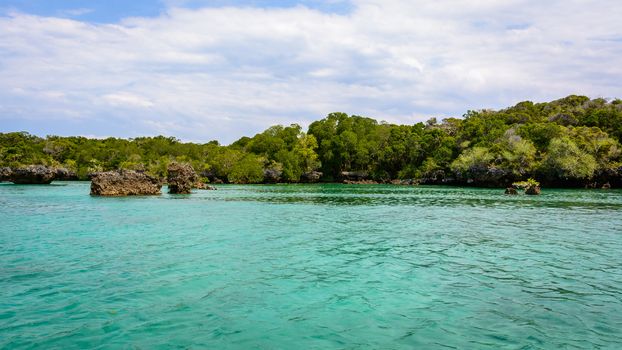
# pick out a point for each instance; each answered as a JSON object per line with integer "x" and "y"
{"x": 310, "y": 267}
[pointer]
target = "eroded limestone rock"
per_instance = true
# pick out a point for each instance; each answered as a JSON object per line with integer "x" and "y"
{"x": 124, "y": 183}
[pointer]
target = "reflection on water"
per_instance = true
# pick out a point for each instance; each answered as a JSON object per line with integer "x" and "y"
{"x": 310, "y": 266}
{"x": 337, "y": 194}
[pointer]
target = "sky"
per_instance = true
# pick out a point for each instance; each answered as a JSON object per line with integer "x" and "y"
{"x": 217, "y": 70}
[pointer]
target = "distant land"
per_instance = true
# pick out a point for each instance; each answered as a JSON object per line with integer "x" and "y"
{"x": 570, "y": 142}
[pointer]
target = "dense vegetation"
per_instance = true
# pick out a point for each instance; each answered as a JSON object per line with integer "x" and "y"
{"x": 571, "y": 141}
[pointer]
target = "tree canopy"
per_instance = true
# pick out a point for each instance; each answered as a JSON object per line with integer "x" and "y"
{"x": 567, "y": 141}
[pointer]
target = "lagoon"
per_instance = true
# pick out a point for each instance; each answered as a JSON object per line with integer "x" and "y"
{"x": 310, "y": 267}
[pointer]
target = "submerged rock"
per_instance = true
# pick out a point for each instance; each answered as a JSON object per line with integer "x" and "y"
{"x": 33, "y": 174}
{"x": 360, "y": 182}
{"x": 203, "y": 186}
{"x": 124, "y": 183}
{"x": 181, "y": 178}
{"x": 405, "y": 182}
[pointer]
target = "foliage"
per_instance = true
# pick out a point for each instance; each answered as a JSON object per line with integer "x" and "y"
{"x": 247, "y": 170}
{"x": 571, "y": 139}
{"x": 566, "y": 160}
{"x": 531, "y": 182}
{"x": 472, "y": 161}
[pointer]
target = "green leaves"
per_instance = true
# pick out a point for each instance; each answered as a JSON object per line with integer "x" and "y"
{"x": 472, "y": 160}
{"x": 567, "y": 161}
{"x": 570, "y": 139}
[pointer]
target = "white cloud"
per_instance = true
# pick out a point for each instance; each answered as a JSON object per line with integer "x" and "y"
{"x": 219, "y": 73}
{"x": 123, "y": 99}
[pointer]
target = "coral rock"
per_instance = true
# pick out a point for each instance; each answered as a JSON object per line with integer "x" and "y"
{"x": 124, "y": 183}
{"x": 311, "y": 176}
{"x": 511, "y": 191}
{"x": 33, "y": 174}
{"x": 181, "y": 178}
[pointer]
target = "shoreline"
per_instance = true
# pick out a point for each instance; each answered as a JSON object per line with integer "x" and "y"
{"x": 58, "y": 182}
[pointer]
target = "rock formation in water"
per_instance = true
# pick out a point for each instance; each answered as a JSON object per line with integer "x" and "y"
{"x": 64, "y": 174}
{"x": 5, "y": 174}
{"x": 354, "y": 176}
{"x": 531, "y": 186}
{"x": 311, "y": 176}
{"x": 124, "y": 183}
{"x": 272, "y": 175}
{"x": 181, "y": 178}
{"x": 36, "y": 174}
{"x": 511, "y": 191}
{"x": 533, "y": 190}
{"x": 33, "y": 174}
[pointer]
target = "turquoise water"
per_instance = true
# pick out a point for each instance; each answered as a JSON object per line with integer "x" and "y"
{"x": 310, "y": 267}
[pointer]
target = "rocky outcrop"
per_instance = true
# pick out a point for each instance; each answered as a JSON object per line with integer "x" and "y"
{"x": 124, "y": 183}
{"x": 272, "y": 175}
{"x": 5, "y": 174}
{"x": 311, "y": 176}
{"x": 354, "y": 175}
{"x": 511, "y": 191}
{"x": 531, "y": 187}
{"x": 595, "y": 185}
{"x": 64, "y": 174}
{"x": 533, "y": 190}
{"x": 33, "y": 174}
{"x": 36, "y": 174}
{"x": 181, "y": 178}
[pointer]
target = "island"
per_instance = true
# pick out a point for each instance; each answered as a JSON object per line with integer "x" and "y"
{"x": 570, "y": 142}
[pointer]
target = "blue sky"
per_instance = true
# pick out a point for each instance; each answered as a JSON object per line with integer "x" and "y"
{"x": 203, "y": 70}
{"x": 110, "y": 11}
{"x": 88, "y": 10}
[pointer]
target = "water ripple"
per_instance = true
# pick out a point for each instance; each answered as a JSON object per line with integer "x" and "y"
{"x": 313, "y": 266}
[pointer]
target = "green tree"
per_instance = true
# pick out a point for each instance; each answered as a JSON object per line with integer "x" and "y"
{"x": 566, "y": 160}
{"x": 247, "y": 170}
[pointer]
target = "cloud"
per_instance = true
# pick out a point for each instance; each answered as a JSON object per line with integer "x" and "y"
{"x": 220, "y": 73}
{"x": 122, "y": 99}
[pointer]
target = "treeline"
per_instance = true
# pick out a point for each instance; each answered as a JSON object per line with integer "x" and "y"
{"x": 568, "y": 142}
